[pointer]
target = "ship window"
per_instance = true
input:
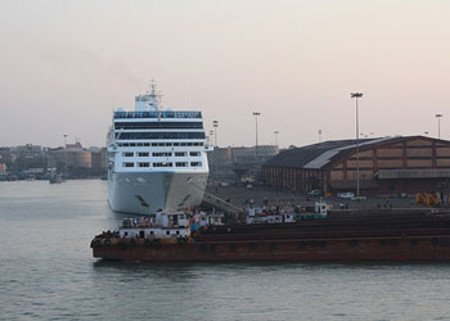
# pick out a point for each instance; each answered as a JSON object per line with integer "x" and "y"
{"x": 144, "y": 164}
{"x": 143, "y": 154}
{"x": 194, "y": 154}
{"x": 161, "y": 144}
{"x": 158, "y": 125}
{"x": 181, "y": 164}
{"x": 178, "y": 232}
{"x": 196, "y": 164}
{"x": 154, "y": 144}
{"x": 139, "y": 144}
{"x": 132, "y": 144}
{"x": 167, "y": 232}
{"x": 176, "y": 144}
{"x": 126, "y": 144}
{"x": 151, "y": 232}
{"x": 128, "y": 154}
{"x": 162, "y": 154}
{"x": 128, "y": 164}
{"x": 146, "y": 144}
{"x": 168, "y": 144}
{"x": 162, "y": 164}
{"x": 180, "y": 154}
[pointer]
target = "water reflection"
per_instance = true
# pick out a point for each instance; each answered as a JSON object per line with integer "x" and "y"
{"x": 170, "y": 271}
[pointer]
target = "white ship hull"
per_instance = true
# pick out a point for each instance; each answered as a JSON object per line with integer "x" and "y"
{"x": 146, "y": 192}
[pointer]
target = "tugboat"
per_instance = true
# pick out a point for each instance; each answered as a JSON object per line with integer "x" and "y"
{"x": 168, "y": 228}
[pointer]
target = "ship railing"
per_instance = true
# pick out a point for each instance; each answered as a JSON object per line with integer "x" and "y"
{"x": 155, "y": 225}
{"x": 157, "y": 114}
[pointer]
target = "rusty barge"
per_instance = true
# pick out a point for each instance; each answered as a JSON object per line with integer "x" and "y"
{"x": 371, "y": 235}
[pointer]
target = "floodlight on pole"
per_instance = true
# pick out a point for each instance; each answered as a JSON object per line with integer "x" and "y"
{"x": 439, "y": 116}
{"x": 65, "y": 152}
{"x": 211, "y": 135}
{"x": 357, "y": 95}
{"x": 276, "y": 137}
{"x": 215, "y": 125}
{"x": 256, "y": 114}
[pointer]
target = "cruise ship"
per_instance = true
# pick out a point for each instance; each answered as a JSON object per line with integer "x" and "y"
{"x": 156, "y": 158}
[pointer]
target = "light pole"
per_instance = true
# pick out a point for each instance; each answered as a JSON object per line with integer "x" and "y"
{"x": 256, "y": 114}
{"x": 357, "y": 95}
{"x": 320, "y": 135}
{"x": 439, "y": 116}
{"x": 211, "y": 134}
{"x": 215, "y": 125}
{"x": 65, "y": 152}
{"x": 276, "y": 137}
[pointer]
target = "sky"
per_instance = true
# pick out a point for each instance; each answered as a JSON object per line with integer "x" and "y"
{"x": 65, "y": 65}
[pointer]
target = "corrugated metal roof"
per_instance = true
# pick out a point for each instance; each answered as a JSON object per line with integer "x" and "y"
{"x": 366, "y": 143}
{"x": 327, "y": 156}
{"x": 322, "y": 160}
{"x": 319, "y": 155}
{"x": 299, "y": 157}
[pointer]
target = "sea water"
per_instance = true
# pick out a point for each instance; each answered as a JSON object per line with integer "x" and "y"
{"x": 47, "y": 272}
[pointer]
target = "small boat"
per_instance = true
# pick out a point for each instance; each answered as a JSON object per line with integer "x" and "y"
{"x": 56, "y": 178}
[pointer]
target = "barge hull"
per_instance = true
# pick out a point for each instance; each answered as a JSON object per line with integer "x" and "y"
{"x": 394, "y": 249}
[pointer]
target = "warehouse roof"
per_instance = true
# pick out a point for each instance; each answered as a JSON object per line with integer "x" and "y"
{"x": 318, "y": 155}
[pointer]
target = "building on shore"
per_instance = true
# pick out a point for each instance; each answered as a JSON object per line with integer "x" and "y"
{"x": 387, "y": 166}
{"x": 99, "y": 158}
{"x": 73, "y": 155}
{"x": 37, "y": 162}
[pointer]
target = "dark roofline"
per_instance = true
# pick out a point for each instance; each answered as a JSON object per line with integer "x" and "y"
{"x": 302, "y": 156}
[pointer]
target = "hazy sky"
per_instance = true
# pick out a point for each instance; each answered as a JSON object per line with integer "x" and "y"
{"x": 64, "y": 65}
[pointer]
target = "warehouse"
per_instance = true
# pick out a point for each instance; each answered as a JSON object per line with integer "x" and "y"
{"x": 387, "y": 166}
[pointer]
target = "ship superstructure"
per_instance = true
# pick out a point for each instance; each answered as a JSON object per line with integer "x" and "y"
{"x": 157, "y": 158}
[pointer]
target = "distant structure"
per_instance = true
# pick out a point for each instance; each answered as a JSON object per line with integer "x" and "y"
{"x": 74, "y": 155}
{"x": 388, "y": 166}
{"x": 98, "y": 158}
{"x": 239, "y": 163}
{"x": 37, "y": 162}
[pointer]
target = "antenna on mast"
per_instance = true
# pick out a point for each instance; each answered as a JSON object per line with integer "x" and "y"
{"x": 154, "y": 95}
{"x": 152, "y": 87}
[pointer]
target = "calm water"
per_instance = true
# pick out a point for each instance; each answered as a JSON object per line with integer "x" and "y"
{"x": 47, "y": 273}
